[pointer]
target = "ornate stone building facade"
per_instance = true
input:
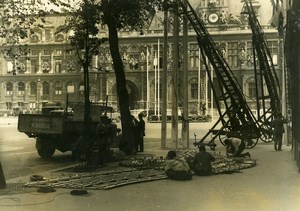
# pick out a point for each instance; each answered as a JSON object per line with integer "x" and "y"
{"x": 52, "y": 72}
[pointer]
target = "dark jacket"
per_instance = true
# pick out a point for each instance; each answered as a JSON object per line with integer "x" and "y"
{"x": 278, "y": 125}
{"x": 202, "y": 163}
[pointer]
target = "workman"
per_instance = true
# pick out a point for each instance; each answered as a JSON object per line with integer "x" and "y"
{"x": 202, "y": 162}
{"x": 235, "y": 147}
{"x": 177, "y": 168}
{"x": 103, "y": 138}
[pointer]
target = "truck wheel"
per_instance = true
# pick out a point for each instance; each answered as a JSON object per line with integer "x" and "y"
{"x": 44, "y": 147}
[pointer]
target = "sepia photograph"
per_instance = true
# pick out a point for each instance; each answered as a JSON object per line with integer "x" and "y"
{"x": 149, "y": 105}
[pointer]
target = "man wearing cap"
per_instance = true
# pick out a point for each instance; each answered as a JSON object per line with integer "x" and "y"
{"x": 177, "y": 168}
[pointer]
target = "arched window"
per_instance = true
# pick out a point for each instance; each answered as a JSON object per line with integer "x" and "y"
{"x": 9, "y": 88}
{"x": 194, "y": 55}
{"x": 46, "y": 88}
{"x": 21, "y": 88}
{"x": 251, "y": 87}
{"x": 33, "y": 88}
{"x": 59, "y": 38}
{"x": 232, "y": 54}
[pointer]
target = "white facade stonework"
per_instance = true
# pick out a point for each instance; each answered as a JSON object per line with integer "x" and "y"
{"x": 52, "y": 67}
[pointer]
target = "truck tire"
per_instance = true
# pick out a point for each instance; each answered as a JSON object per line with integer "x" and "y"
{"x": 44, "y": 147}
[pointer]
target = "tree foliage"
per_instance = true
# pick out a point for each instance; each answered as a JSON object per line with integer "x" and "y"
{"x": 83, "y": 23}
{"x": 17, "y": 19}
{"x": 85, "y": 17}
{"x": 117, "y": 15}
{"x": 129, "y": 14}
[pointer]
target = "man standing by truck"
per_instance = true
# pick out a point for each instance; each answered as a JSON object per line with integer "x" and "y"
{"x": 103, "y": 138}
{"x": 141, "y": 133}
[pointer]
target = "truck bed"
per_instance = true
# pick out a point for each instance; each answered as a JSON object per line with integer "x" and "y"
{"x": 40, "y": 124}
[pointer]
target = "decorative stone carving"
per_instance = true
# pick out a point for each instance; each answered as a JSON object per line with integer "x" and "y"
{"x": 70, "y": 65}
{"x": 45, "y": 66}
{"x": 20, "y": 67}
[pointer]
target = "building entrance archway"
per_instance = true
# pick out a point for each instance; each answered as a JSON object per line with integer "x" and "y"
{"x": 132, "y": 94}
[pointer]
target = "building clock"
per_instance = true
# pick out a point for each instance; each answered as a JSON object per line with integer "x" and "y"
{"x": 213, "y": 18}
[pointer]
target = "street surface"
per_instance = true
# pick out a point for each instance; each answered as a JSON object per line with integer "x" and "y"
{"x": 272, "y": 185}
{"x": 153, "y": 130}
{"x": 18, "y": 155}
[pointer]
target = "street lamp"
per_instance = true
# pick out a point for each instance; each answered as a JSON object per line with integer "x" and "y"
{"x": 70, "y": 90}
{"x": 106, "y": 81}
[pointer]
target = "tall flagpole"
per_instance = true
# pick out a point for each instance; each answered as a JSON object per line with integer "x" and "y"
{"x": 155, "y": 83}
{"x": 164, "y": 83}
{"x": 283, "y": 95}
{"x": 212, "y": 94}
{"x": 148, "y": 94}
{"x": 184, "y": 91}
{"x": 199, "y": 83}
{"x": 206, "y": 89}
{"x": 158, "y": 79}
{"x": 174, "y": 130}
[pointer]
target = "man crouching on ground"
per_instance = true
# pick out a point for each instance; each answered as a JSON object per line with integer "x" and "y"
{"x": 202, "y": 162}
{"x": 235, "y": 147}
{"x": 177, "y": 168}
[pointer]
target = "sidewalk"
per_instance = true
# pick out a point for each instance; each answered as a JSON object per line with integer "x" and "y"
{"x": 273, "y": 184}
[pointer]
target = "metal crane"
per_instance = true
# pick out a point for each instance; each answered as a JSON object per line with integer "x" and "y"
{"x": 268, "y": 101}
{"x": 237, "y": 120}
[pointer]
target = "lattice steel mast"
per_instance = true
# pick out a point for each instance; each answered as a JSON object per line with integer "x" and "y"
{"x": 267, "y": 101}
{"x": 237, "y": 120}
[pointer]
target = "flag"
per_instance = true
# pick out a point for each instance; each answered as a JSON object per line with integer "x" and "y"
{"x": 277, "y": 19}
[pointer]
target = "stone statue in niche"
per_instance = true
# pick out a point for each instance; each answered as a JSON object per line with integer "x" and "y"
{"x": 124, "y": 55}
{"x": 223, "y": 17}
{"x": 242, "y": 55}
{"x": 133, "y": 63}
{"x": 107, "y": 56}
{"x": 223, "y": 52}
{"x": 143, "y": 56}
{"x": 212, "y": 3}
{"x": 20, "y": 67}
{"x": 234, "y": 19}
{"x": 203, "y": 16}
